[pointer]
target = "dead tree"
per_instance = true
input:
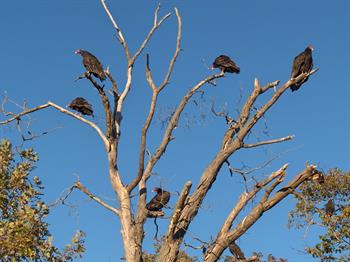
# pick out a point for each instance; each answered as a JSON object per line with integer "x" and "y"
{"x": 187, "y": 206}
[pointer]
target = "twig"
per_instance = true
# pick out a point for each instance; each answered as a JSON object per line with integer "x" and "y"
{"x": 63, "y": 198}
{"x": 229, "y": 120}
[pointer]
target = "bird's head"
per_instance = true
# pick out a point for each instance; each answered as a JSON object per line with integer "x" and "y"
{"x": 310, "y": 47}
{"x": 157, "y": 190}
{"x": 79, "y": 52}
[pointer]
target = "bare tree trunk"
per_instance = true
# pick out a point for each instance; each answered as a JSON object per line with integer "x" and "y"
{"x": 132, "y": 251}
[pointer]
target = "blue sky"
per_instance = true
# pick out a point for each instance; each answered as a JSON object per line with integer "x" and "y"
{"x": 38, "y": 39}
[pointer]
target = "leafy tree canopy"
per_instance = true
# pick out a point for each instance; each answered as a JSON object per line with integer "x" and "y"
{"x": 310, "y": 210}
{"x": 24, "y": 234}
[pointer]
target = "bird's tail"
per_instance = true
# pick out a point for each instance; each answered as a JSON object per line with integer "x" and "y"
{"x": 295, "y": 87}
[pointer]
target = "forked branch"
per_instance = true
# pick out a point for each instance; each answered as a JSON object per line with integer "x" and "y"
{"x": 155, "y": 92}
{"x": 228, "y": 235}
{"x": 156, "y": 24}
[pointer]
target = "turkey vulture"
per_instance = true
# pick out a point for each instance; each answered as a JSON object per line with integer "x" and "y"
{"x": 82, "y": 106}
{"x": 330, "y": 208}
{"x": 92, "y": 65}
{"x": 159, "y": 200}
{"x": 302, "y": 64}
{"x": 318, "y": 177}
{"x": 226, "y": 64}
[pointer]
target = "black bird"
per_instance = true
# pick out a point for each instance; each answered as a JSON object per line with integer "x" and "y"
{"x": 92, "y": 65}
{"x": 302, "y": 64}
{"x": 330, "y": 208}
{"x": 226, "y": 64}
{"x": 158, "y": 201}
{"x": 82, "y": 106}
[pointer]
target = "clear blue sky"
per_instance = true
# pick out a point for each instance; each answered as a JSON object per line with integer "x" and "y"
{"x": 38, "y": 39}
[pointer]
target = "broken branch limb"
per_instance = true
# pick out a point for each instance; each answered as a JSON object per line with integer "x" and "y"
{"x": 178, "y": 208}
{"x": 270, "y": 85}
{"x": 267, "y": 142}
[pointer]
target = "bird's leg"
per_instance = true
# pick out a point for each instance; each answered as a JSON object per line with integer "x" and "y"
{"x": 156, "y": 234}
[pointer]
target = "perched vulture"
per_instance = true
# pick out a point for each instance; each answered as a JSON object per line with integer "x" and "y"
{"x": 92, "y": 65}
{"x": 226, "y": 64}
{"x": 302, "y": 64}
{"x": 82, "y": 106}
{"x": 318, "y": 177}
{"x": 158, "y": 201}
{"x": 330, "y": 208}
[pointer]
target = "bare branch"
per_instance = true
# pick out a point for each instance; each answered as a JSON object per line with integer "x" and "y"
{"x": 241, "y": 171}
{"x": 82, "y": 188}
{"x": 232, "y": 141}
{"x": 116, "y": 27}
{"x": 63, "y": 110}
{"x": 243, "y": 116}
{"x": 173, "y": 123}
{"x": 246, "y": 196}
{"x": 270, "y": 85}
{"x": 115, "y": 126}
{"x": 264, "y": 205}
{"x": 156, "y": 24}
{"x": 245, "y": 125}
{"x": 267, "y": 142}
{"x": 156, "y": 91}
{"x": 126, "y": 89}
{"x": 114, "y": 84}
{"x": 229, "y": 120}
{"x": 177, "y": 50}
{"x": 272, "y": 187}
{"x": 105, "y": 103}
{"x": 25, "y": 112}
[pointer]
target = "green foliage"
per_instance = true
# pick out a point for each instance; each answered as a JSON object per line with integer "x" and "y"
{"x": 24, "y": 234}
{"x": 334, "y": 244}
